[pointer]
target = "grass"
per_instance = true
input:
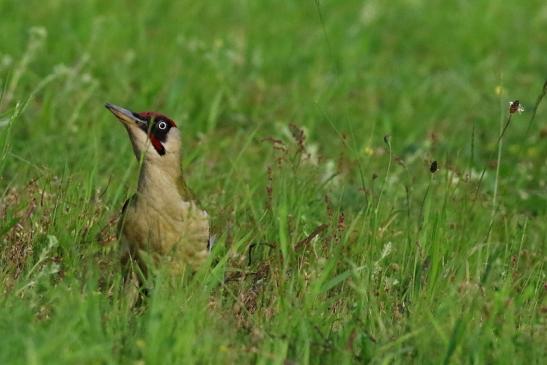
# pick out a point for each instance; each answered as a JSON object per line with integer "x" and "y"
{"x": 309, "y": 131}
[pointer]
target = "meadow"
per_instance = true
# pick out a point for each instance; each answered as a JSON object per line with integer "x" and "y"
{"x": 349, "y": 155}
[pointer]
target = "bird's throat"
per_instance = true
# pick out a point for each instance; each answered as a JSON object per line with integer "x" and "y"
{"x": 160, "y": 182}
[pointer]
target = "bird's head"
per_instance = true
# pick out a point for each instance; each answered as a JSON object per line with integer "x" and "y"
{"x": 152, "y": 134}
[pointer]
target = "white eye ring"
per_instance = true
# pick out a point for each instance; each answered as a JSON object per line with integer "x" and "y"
{"x": 162, "y": 125}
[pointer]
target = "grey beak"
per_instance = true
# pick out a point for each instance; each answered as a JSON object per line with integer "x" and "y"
{"x": 126, "y": 116}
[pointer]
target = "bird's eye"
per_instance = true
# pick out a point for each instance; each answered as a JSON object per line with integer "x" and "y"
{"x": 162, "y": 125}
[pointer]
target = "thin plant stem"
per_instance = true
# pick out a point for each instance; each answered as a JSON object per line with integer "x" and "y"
{"x": 536, "y": 106}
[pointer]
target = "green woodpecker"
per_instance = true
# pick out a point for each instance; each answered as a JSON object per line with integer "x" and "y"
{"x": 162, "y": 223}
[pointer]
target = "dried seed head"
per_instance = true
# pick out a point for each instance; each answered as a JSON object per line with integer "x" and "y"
{"x": 515, "y": 107}
{"x": 434, "y": 167}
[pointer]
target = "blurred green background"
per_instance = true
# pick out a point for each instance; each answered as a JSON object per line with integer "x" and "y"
{"x": 413, "y": 267}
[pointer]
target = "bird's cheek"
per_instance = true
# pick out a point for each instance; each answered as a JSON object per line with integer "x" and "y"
{"x": 158, "y": 146}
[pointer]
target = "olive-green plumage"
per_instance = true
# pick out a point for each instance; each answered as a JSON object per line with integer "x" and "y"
{"x": 162, "y": 224}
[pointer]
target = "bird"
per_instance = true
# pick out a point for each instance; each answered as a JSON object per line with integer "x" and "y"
{"x": 162, "y": 224}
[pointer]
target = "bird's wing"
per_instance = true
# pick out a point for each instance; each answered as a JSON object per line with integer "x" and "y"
{"x": 185, "y": 192}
